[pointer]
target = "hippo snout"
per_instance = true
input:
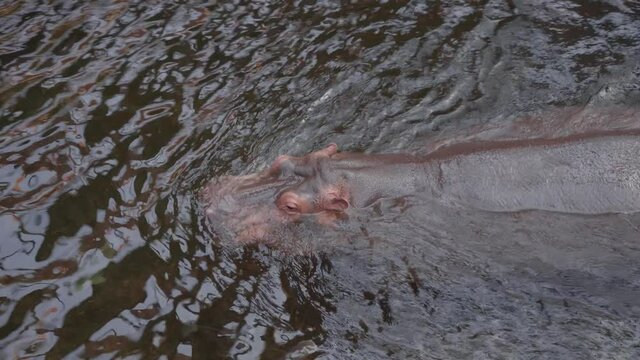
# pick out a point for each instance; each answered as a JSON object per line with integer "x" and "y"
{"x": 257, "y": 207}
{"x": 242, "y": 207}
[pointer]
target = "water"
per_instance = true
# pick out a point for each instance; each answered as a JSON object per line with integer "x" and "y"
{"x": 113, "y": 115}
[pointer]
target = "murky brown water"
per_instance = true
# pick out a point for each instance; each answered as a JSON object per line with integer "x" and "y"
{"x": 114, "y": 114}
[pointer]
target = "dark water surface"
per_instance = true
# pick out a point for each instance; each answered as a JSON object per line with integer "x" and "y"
{"x": 114, "y": 114}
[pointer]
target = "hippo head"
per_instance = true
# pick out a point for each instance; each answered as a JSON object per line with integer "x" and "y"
{"x": 257, "y": 207}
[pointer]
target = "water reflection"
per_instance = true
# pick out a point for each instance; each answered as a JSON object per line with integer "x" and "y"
{"x": 114, "y": 114}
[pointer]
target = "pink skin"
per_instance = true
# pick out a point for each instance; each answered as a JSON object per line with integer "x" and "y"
{"x": 321, "y": 186}
{"x": 251, "y": 218}
{"x": 329, "y": 198}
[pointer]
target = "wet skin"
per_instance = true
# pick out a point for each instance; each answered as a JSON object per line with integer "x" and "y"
{"x": 589, "y": 173}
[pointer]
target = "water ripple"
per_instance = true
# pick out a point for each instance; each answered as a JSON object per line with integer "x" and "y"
{"x": 115, "y": 113}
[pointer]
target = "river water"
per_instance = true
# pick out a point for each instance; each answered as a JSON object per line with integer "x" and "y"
{"x": 114, "y": 114}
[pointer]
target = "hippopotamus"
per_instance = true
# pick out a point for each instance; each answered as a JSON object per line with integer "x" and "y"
{"x": 587, "y": 173}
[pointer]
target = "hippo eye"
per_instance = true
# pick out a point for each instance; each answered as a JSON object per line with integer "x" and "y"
{"x": 291, "y": 207}
{"x": 289, "y": 203}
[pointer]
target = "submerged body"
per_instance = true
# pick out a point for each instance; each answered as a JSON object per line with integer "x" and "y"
{"x": 587, "y": 174}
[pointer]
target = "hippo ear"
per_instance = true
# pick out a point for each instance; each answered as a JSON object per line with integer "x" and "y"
{"x": 331, "y": 149}
{"x": 336, "y": 203}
